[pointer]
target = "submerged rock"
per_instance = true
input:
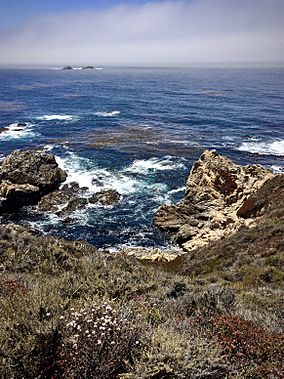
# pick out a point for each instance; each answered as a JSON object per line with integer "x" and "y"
{"x": 67, "y": 68}
{"x": 216, "y": 190}
{"x": 106, "y": 197}
{"x": 88, "y": 68}
{"x": 26, "y": 176}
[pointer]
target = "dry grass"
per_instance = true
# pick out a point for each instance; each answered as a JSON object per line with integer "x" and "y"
{"x": 184, "y": 321}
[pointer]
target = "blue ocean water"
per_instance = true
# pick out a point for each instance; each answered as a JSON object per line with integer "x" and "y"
{"x": 138, "y": 130}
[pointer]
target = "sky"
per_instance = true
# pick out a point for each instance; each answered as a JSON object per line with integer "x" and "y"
{"x": 138, "y": 32}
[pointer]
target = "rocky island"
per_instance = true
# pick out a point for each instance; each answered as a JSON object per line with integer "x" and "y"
{"x": 213, "y": 310}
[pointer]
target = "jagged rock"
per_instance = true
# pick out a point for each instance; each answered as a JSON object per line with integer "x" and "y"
{"x": 33, "y": 167}
{"x": 74, "y": 204}
{"x": 58, "y": 199}
{"x": 64, "y": 201}
{"x": 106, "y": 197}
{"x": 25, "y": 176}
{"x": 217, "y": 194}
{"x": 2, "y": 130}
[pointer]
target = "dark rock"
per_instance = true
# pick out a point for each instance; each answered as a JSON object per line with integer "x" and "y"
{"x": 14, "y": 196}
{"x": 64, "y": 201}
{"x": 3, "y": 130}
{"x": 107, "y": 197}
{"x": 74, "y": 204}
{"x": 25, "y": 176}
{"x": 52, "y": 201}
{"x": 88, "y": 68}
{"x": 67, "y": 68}
{"x": 22, "y": 124}
{"x": 33, "y": 167}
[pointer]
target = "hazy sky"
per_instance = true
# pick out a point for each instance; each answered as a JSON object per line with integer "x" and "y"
{"x": 137, "y": 32}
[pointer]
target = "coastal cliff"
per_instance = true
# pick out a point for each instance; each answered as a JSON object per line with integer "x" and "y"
{"x": 70, "y": 310}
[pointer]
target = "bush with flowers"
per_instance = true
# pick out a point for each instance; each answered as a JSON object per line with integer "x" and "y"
{"x": 98, "y": 341}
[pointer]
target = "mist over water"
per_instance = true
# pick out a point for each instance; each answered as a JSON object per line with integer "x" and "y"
{"x": 138, "y": 131}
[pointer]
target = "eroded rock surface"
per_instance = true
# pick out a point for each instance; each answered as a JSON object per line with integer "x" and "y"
{"x": 26, "y": 176}
{"x": 218, "y": 196}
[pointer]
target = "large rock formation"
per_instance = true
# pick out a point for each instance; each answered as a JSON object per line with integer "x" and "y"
{"x": 217, "y": 201}
{"x": 26, "y": 176}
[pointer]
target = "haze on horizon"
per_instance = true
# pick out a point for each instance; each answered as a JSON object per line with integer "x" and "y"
{"x": 141, "y": 32}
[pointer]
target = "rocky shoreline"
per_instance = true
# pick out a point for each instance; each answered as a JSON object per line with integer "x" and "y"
{"x": 220, "y": 198}
{"x": 211, "y": 309}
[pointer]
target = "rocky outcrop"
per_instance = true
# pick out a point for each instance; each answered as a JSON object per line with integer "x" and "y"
{"x": 67, "y": 68}
{"x": 26, "y": 176}
{"x": 217, "y": 198}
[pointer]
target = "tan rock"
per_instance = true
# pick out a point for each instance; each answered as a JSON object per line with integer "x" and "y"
{"x": 216, "y": 197}
{"x": 153, "y": 254}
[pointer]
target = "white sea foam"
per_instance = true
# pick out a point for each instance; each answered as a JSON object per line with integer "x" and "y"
{"x": 107, "y": 114}
{"x": 82, "y": 171}
{"x": 265, "y": 148}
{"x": 98, "y": 68}
{"x": 14, "y": 131}
{"x": 144, "y": 166}
{"x": 177, "y": 190}
{"x": 277, "y": 169}
{"x": 53, "y": 117}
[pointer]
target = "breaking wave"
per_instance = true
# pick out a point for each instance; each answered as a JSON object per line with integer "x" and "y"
{"x": 144, "y": 166}
{"x": 59, "y": 117}
{"x": 18, "y": 131}
{"x": 265, "y": 148}
{"x": 107, "y": 114}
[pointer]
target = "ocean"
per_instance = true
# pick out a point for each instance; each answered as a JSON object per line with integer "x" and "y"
{"x": 138, "y": 131}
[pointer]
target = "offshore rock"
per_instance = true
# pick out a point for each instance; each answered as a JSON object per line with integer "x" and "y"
{"x": 217, "y": 193}
{"x": 25, "y": 176}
